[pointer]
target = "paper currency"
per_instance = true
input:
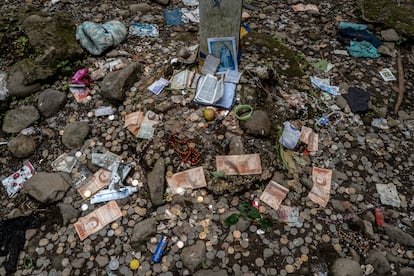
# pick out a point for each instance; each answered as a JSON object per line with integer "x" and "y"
{"x": 289, "y": 215}
{"x": 148, "y": 124}
{"x": 244, "y": 164}
{"x": 310, "y": 138}
{"x": 64, "y": 163}
{"x": 274, "y": 194}
{"x": 105, "y": 160}
{"x": 94, "y": 183}
{"x": 79, "y": 174}
{"x": 15, "y": 182}
{"x": 302, "y": 7}
{"x": 97, "y": 220}
{"x": 321, "y": 189}
{"x": 388, "y": 194}
{"x": 189, "y": 179}
{"x": 133, "y": 121}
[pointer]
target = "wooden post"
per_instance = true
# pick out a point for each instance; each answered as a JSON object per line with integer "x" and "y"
{"x": 219, "y": 18}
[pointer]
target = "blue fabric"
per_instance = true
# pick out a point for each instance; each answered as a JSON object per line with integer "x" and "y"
{"x": 348, "y": 35}
{"x": 362, "y": 49}
{"x": 344, "y": 24}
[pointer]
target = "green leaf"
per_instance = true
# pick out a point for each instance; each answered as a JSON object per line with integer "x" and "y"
{"x": 265, "y": 224}
{"x": 218, "y": 174}
{"x": 249, "y": 211}
{"x": 232, "y": 219}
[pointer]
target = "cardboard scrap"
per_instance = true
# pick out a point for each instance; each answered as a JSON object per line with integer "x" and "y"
{"x": 98, "y": 219}
{"x": 321, "y": 189}
{"x": 243, "y": 164}
{"x": 274, "y": 194}
{"x": 189, "y": 179}
{"x": 310, "y": 138}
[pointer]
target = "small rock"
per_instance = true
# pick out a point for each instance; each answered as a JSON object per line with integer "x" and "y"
{"x": 46, "y": 187}
{"x": 259, "y": 124}
{"x": 22, "y": 146}
{"x": 75, "y": 134}
{"x": 204, "y": 272}
{"x": 341, "y": 102}
{"x": 116, "y": 83}
{"x": 398, "y": 235}
{"x": 156, "y": 181}
{"x": 144, "y": 229}
{"x": 17, "y": 119}
{"x": 68, "y": 212}
{"x": 236, "y": 145}
{"x": 194, "y": 255}
{"x": 17, "y": 88}
{"x": 406, "y": 271}
{"x": 50, "y": 102}
{"x": 102, "y": 261}
{"x": 345, "y": 267}
{"x": 386, "y": 51}
{"x": 390, "y": 35}
{"x": 378, "y": 261}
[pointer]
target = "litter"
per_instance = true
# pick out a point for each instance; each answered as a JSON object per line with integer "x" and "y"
{"x": 244, "y": 164}
{"x": 191, "y": 2}
{"x": 105, "y": 160}
{"x": 324, "y": 85}
{"x": 274, "y": 194}
{"x": 290, "y": 136}
{"x": 358, "y": 99}
{"x": 323, "y": 65}
{"x": 210, "y": 65}
{"x": 79, "y": 91}
{"x": 107, "y": 194}
{"x": 387, "y": 75}
{"x": 64, "y": 163}
{"x": 324, "y": 120}
{"x": 182, "y": 80}
{"x": 173, "y": 17}
{"x": 232, "y": 76}
{"x": 159, "y": 85}
{"x": 94, "y": 183}
{"x": 189, "y": 179}
{"x": 143, "y": 29}
{"x": 187, "y": 151}
{"x": 380, "y": 123}
{"x": 96, "y": 38}
{"x": 148, "y": 124}
{"x": 310, "y": 138}
{"x": 302, "y": 7}
{"x": 344, "y": 24}
{"x": 190, "y": 15}
{"x": 117, "y": 64}
{"x": 379, "y": 217}
{"x": 98, "y": 219}
{"x": 321, "y": 188}
{"x": 209, "y": 90}
{"x": 104, "y": 111}
{"x": 347, "y": 35}
{"x": 294, "y": 99}
{"x": 341, "y": 52}
{"x": 159, "y": 251}
{"x": 362, "y": 49}
{"x": 388, "y": 194}
{"x": 15, "y": 181}
{"x": 81, "y": 77}
{"x": 79, "y": 174}
{"x": 133, "y": 122}
{"x": 289, "y": 215}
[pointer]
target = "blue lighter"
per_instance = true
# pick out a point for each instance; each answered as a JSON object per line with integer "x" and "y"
{"x": 156, "y": 258}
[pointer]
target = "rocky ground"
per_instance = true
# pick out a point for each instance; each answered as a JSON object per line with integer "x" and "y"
{"x": 277, "y": 58}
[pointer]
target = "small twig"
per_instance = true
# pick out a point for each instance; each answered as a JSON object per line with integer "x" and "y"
{"x": 401, "y": 83}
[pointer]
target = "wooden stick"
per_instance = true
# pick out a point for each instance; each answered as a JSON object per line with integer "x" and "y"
{"x": 401, "y": 83}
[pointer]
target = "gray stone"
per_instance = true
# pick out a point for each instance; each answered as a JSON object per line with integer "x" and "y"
{"x": 140, "y": 7}
{"x": 378, "y": 261}
{"x": 398, "y": 235}
{"x": 78, "y": 263}
{"x": 341, "y": 102}
{"x": 75, "y": 134}
{"x": 17, "y": 119}
{"x": 144, "y": 229}
{"x": 368, "y": 229}
{"x": 382, "y": 112}
{"x": 390, "y": 35}
{"x": 209, "y": 272}
{"x": 50, "y": 101}
{"x": 68, "y": 212}
{"x": 162, "y": 2}
{"x": 406, "y": 271}
{"x": 115, "y": 84}
{"x": 236, "y": 145}
{"x": 17, "y": 88}
{"x": 193, "y": 256}
{"x": 259, "y": 124}
{"x": 156, "y": 181}
{"x": 383, "y": 49}
{"x": 46, "y": 187}
{"x": 102, "y": 261}
{"x": 345, "y": 267}
{"x": 22, "y": 146}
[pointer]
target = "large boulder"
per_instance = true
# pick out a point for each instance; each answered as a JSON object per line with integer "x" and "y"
{"x": 396, "y": 14}
{"x": 115, "y": 84}
{"x": 47, "y": 187}
{"x": 17, "y": 119}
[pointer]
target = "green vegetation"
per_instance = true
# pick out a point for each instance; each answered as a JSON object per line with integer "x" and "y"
{"x": 21, "y": 46}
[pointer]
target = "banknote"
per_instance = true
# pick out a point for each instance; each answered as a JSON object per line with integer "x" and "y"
{"x": 321, "y": 189}
{"x": 189, "y": 179}
{"x": 243, "y": 164}
{"x": 310, "y": 138}
{"x": 133, "y": 121}
{"x": 94, "y": 183}
{"x": 98, "y": 219}
{"x": 274, "y": 194}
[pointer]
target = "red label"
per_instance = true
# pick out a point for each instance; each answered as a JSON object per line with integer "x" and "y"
{"x": 379, "y": 218}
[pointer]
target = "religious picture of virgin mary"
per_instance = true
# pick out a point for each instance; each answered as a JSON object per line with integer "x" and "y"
{"x": 225, "y": 49}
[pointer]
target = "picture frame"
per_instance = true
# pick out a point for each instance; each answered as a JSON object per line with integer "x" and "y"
{"x": 225, "y": 49}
